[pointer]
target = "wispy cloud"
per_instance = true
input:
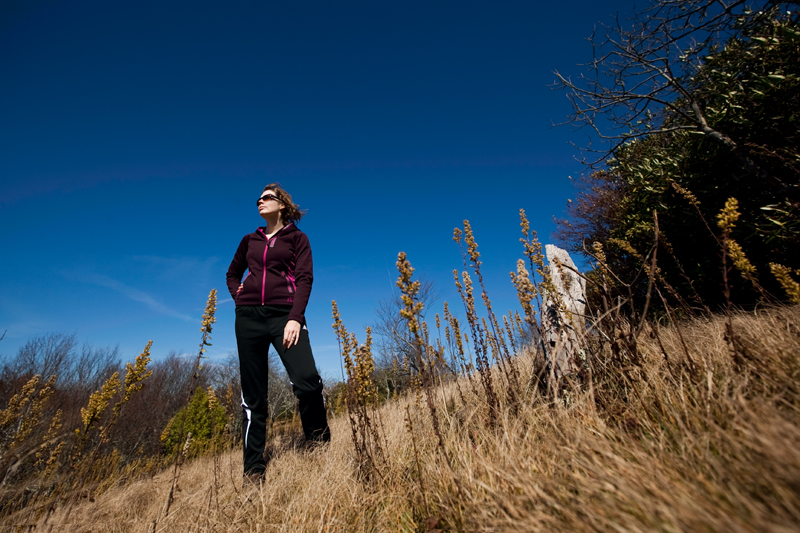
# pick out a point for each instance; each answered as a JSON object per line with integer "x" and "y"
{"x": 129, "y": 292}
{"x": 176, "y": 267}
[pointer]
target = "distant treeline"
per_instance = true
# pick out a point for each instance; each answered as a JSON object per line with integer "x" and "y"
{"x": 63, "y": 406}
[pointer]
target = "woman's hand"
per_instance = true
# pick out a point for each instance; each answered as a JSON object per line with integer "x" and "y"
{"x": 241, "y": 286}
{"x": 291, "y": 333}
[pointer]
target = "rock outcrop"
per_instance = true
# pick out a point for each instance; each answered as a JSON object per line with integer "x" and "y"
{"x": 563, "y": 312}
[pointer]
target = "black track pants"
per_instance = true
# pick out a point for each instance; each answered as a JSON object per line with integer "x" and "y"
{"x": 256, "y": 328}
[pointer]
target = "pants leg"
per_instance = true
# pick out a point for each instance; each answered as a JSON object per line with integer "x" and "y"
{"x": 256, "y": 329}
{"x": 306, "y": 384}
{"x": 253, "y": 340}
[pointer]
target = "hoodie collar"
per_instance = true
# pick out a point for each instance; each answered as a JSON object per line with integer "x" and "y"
{"x": 284, "y": 229}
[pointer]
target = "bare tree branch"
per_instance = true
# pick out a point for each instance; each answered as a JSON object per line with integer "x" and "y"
{"x": 642, "y": 70}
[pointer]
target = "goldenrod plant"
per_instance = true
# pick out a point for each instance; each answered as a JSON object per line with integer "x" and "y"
{"x": 92, "y": 415}
{"x": 18, "y": 420}
{"x": 206, "y": 327}
{"x": 784, "y": 276}
{"x": 360, "y": 399}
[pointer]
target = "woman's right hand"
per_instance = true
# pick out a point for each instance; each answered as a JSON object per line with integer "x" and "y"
{"x": 240, "y": 289}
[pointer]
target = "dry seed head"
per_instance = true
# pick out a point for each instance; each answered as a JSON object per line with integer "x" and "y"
{"x": 625, "y": 246}
{"x": 135, "y": 374}
{"x": 526, "y": 290}
{"x": 409, "y": 290}
{"x": 208, "y": 314}
{"x": 208, "y": 319}
{"x": 602, "y": 260}
{"x": 166, "y": 431}
{"x": 472, "y": 246}
{"x": 599, "y": 253}
{"x": 18, "y": 402}
{"x": 486, "y": 301}
{"x": 691, "y": 198}
{"x": 510, "y": 332}
{"x": 523, "y": 222}
{"x": 784, "y": 276}
{"x": 530, "y": 241}
{"x": 29, "y": 387}
{"x": 49, "y": 384}
{"x": 365, "y": 366}
{"x": 470, "y": 299}
{"x": 518, "y": 323}
{"x": 740, "y": 261}
{"x": 458, "y": 283}
{"x": 457, "y": 335}
{"x": 343, "y": 338}
{"x": 349, "y": 343}
{"x": 98, "y": 401}
{"x": 726, "y": 219}
{"x": 336, "y": 318}
{"x": 52, "y": 463}
{"x": 490, "y": 337}
{"x": 565, "y": 279}
{"x": 186, "y": 444}
{"x": 406, "y": 271}
{"x": 31, "y": 418}
{"x": 52, "y": 431}
{"x": 212, "y": 398}
{"x": 55, "y": 425}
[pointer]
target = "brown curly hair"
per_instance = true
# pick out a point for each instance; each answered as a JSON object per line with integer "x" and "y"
{"x": 291, "y": 211}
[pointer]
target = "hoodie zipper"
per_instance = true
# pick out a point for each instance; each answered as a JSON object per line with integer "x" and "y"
{"x": 264, "y": 260}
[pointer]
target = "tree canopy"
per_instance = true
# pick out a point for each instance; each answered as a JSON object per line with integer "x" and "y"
{"x": 698, "y": 102}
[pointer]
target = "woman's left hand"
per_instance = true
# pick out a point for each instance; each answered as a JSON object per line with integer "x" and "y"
{"x": 291, "y": 333}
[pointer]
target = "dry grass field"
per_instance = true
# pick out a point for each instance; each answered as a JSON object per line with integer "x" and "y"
{"x": 700, "y": 435}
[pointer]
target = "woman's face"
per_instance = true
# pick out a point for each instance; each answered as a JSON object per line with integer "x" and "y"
{"x": 269, "y": 206}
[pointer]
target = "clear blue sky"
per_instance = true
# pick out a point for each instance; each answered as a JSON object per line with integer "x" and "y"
{"x": 136, "y": 137}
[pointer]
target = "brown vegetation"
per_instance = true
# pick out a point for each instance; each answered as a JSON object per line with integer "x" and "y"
{"x": 717, "y": 451}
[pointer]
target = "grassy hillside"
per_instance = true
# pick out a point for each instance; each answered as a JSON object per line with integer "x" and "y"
{"x": 698, "y": 434}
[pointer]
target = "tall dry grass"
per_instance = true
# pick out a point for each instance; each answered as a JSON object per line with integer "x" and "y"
{"x": 653, "y": 447}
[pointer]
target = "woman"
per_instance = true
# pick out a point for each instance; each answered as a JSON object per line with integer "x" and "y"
{"x": 270, "y": 307}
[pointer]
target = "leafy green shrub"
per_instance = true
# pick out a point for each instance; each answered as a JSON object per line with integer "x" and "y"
{"x": 203, "y": 422}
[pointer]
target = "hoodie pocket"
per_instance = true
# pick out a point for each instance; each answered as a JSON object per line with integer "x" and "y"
{"x": 244, "y": 287}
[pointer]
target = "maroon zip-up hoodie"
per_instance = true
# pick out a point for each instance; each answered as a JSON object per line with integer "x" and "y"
{"x": 281, "y": 270}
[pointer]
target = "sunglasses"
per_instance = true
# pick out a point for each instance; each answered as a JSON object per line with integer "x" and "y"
{"x": 267, "y": 197}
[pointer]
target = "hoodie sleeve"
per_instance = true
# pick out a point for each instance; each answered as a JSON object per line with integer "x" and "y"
{"x": 236, "y": 270}
{"x": 304, "y": 277}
